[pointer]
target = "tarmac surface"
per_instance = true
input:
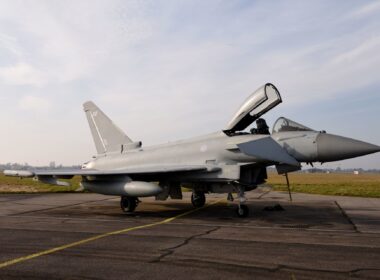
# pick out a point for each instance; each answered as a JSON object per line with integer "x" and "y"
{"x": 86, "y": 236}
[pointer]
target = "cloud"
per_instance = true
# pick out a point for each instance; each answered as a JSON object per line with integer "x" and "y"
{"x": 10, "y": 44}
{"x": 70, "y": 41}
{"x": 366, "y": 10}
{"x": 325, "y": 71}
{"x": 34, "y": 104}
{"x": 22, "y": 74}
{"x": 368, "y": 50}
{"x": 179, "y": 68}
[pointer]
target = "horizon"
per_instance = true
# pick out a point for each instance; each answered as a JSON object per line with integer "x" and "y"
{"x": 305, "y": 167}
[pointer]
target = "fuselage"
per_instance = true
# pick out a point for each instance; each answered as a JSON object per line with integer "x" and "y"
{"x": 219, "y": 149}
{"x": 210, "y": 149}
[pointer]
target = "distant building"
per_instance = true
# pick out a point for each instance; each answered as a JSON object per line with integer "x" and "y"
{"x": 356, "y": 172}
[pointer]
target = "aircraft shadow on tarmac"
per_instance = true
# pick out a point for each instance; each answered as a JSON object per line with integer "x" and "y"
{"x": 321, "y": 215}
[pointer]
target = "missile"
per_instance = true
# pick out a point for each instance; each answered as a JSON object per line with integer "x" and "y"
{"x": 51, "y": 180}
{"x": 19, "y": 173}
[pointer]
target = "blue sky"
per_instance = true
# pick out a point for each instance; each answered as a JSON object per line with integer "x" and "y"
{"x": 168, "y": 70}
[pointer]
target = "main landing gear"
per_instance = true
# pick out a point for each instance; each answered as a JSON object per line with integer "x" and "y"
{"x": 198, "y": 199}
{"x": 128, "y": 204}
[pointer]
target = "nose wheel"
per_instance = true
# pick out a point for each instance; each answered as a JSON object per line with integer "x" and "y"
{"x": 242, "y": 211}
{"x": 128, "y": 204}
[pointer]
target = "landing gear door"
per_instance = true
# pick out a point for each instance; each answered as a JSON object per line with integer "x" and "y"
{"x": 260, "y": 102}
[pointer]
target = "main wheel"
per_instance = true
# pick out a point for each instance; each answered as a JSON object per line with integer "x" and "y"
{"x": 128, "y": 204}
{"x": 198, "y": 199}
{"x": 242, "y": 211}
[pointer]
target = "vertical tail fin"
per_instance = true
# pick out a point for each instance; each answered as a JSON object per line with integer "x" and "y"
{"x": 107, "y": 136}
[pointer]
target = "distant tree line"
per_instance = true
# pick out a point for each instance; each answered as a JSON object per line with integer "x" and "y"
{"x": 332, "y": 170}
{"x": 26, "y": 166}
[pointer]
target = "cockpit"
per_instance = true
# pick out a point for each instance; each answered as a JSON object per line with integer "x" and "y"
{"x": 258, "y": 103}
{"x": 283, "y": 124}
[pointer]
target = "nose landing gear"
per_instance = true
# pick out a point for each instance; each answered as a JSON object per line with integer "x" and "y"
{"x": 242, "y": 210}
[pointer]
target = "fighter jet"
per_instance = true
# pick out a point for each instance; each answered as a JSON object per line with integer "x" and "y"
{"x": 231, "y": 161}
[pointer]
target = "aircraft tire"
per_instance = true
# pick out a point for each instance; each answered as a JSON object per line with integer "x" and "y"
{"x": 128, "y": 204}
{"x": 198, "y": 199}
{"x": 242, "y": 211}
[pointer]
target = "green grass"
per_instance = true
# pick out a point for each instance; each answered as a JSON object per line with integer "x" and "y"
{"x": 365, "y": 185}
{"x": 28, "y": 185}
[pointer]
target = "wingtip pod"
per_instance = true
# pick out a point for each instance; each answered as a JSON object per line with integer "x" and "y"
{"x": 19, "y": 173}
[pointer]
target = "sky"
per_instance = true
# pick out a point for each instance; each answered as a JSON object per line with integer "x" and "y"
{"x": 169, "y": 70}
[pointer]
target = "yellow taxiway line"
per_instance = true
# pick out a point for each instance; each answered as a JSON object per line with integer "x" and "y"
{"x": 96, "y": 237}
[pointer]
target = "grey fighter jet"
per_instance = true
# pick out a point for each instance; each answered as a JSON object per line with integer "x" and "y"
{"x": 228, "y": 161}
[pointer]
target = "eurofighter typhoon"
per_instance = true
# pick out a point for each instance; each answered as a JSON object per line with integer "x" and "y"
{"x": 228, "y": 161}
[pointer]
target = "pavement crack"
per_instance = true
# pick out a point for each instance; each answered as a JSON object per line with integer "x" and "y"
{"x": 277, "y": 268}
{"x": 169, "y": 251}
{"x": 347, "y": 272}
{"x": 346, "y": 216}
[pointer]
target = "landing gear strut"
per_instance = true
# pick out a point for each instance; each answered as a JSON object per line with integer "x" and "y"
{"x": 128, "y": 204}
{"x": 242, "y": 211}
{"x": 198, "y": 199}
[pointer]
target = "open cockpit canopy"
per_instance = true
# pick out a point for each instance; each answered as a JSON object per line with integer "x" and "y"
{"x": 260, "y": 102}
{"x": 283, "y": 124}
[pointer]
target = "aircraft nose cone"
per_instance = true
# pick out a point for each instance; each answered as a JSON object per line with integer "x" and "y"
{"x": 333, "y": 147}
